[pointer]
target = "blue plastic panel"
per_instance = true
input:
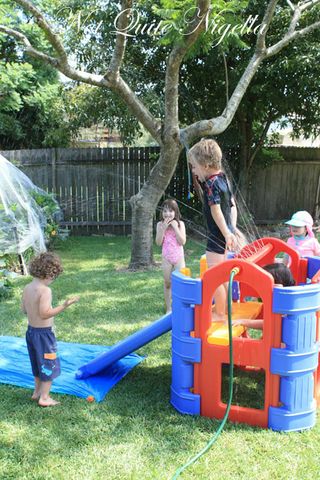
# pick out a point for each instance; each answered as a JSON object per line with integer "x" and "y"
{"x": 299, "y": 331}
{"x": 281, "y": 419}
{"x": 286, "y": 363}
{"x": 313, "y": 266}
{"x": 189, "y": 290}
{"x": 182, "y": 374}
{"x": 185, "y": 402}
{"x": 235, "y": 291}
{"x": 297, "y": 392}
{"x": 187, "y": 348}
{"x": 182, "y": 317}
{"x": 304, "y": 298}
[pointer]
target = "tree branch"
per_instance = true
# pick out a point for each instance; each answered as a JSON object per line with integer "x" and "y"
{"x": 217, "y": 125}
{"x": 289, "y": 38}
{"x": 267, "y": 19}
{"x": 117, "y": 83}
{"x": 120, "y": 46}
{"x": 306, "y": 5}
{"x": 292, "y": 33}
{"x": 52, "y": 37}
{"x": 28, "y": 47}
{"x": 295, "y": 19}
{"x": 61, "y": 63}
{"x": 260, "y": 141}
{"x": 226, "y": 76}
{"x": 214, "y": 126}
{"x": 138, "y": 108}
{"x": 63, "y": 67}
{"x": 195, "y": 28}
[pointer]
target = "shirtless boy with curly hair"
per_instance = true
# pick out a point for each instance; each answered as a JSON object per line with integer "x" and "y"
{"x": 41, "y": 341}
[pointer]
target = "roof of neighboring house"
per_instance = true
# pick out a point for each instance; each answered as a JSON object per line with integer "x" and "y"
{"x": 285, "y": 139}
{"x": 97, "y": 136}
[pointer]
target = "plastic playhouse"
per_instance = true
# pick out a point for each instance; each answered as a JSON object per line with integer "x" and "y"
{"x": 287, "y": 353}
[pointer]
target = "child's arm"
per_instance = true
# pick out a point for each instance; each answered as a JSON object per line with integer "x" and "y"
{"x": 316, "y": 248}
{"x": 246, "y": 322}
{"x": 161, "y": 228}
{"x": 45, "y": 308}
{"x": 219, "y": 219}
{"x": 180, "y": 231}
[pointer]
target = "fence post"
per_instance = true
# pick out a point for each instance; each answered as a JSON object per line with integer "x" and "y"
{"x": 53, "y": 169}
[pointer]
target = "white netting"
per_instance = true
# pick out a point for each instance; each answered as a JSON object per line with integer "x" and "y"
{"x": 21, "y": 219}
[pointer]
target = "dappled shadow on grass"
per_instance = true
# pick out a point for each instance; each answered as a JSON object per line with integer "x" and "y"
{"x": 140, "y": 400}
{"x": 100, "y": 253}
{"x": 137, "y": 412}
{"x": 62, "y": 432}
{"x": 102, "y": 326}
{"x": 136, "y": 417}
{"x": 106, "y": 296}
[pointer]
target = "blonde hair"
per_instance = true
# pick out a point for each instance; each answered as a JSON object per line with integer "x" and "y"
{"x": 207, "y": 153}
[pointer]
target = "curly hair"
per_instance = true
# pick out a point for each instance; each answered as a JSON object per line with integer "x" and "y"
{"x": 46, "y": 265}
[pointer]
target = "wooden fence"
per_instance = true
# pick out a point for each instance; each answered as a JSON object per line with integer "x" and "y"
{"x": 287, "y": 186}
{"x": 93, "y": 186}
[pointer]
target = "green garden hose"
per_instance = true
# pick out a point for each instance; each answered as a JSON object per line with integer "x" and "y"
{"x": 214, "y": 438}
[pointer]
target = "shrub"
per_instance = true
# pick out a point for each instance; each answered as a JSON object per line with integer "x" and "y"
{"x": 6, "y": 284}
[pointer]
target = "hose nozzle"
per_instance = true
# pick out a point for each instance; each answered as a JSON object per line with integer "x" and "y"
{"x": 235, "y": 270}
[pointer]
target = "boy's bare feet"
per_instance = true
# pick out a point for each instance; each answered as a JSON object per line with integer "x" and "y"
{"x": 35, "y": 396}
{"x": 47, "y": 402}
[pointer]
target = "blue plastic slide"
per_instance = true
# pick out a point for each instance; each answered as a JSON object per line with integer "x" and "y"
{"x": 126, "y": 346}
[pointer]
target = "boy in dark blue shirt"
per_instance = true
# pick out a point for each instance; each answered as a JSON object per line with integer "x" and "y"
{"x": 219, "y": 210}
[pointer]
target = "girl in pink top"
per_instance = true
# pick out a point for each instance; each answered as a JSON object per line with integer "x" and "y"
{"x": 302, "y": 237}
{"x": 171, "y": 234}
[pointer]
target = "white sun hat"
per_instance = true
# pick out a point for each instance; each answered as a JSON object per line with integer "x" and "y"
{"x": 302, "y": 219}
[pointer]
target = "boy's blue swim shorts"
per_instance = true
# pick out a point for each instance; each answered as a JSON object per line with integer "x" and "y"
{"x": 42, "y": 348}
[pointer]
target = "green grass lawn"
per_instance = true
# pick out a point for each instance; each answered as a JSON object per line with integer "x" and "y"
{"x": 134, "y": 433}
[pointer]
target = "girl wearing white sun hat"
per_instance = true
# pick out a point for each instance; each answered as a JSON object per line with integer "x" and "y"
{"x": 302, "y": 237}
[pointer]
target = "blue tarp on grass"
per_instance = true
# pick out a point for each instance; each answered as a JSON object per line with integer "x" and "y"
{"x": 15, "y": 368}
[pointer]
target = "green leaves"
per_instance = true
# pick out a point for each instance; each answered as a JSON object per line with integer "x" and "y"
{"x": 32, "y": 108}
{"x": 6, "y": 285}
{"x": 218, "y": 22}
{"x": 51, "y": 210}
{"x": 15, "y": 82}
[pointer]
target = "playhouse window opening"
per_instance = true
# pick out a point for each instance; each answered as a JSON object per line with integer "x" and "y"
{"x": 282, "y": 257}
{"x": 248, "y": 387}
{"x": 255, "y": 334}
{"x": 251, "y": 296}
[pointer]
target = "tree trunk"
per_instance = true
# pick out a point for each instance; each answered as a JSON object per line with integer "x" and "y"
{"x": 142, "y": 233}
{"x": 144, "y": 205}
